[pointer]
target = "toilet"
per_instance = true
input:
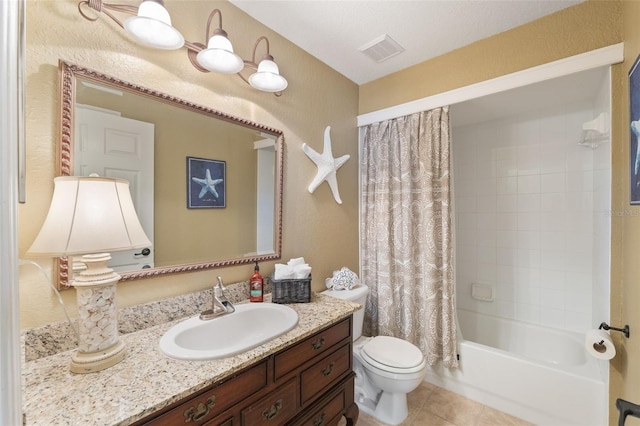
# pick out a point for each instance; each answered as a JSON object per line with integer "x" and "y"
{"x": 387, "y": 368}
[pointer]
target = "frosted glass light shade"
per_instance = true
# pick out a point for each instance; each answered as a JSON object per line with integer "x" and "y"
{"x": 268, "y": 78}
{"x": 89, "y": 215}
{"x": 152, "y": 27}
{"x": 219, "y": 56}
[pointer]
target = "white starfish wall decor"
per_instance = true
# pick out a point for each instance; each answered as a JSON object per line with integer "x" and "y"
{"x": 327, "y": 165}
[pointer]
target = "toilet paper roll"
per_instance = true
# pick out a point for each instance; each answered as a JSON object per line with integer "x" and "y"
{"x": 598, "y": 344}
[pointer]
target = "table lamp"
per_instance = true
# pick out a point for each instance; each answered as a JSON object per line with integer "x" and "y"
{"x": 92, "y": 216}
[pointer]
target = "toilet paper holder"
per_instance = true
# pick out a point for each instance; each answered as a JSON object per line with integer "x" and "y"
{"x": 624, "y": 329}
{"x": 625, "y": 409}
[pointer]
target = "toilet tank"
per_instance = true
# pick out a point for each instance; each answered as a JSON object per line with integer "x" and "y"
{"x": 357, "y": 295}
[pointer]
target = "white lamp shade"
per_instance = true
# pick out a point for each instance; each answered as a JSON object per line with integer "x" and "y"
{"x": 89, "y": 215}
{"x": 152, "y": 27}
{"x": 268, "y": 78}
{"x": 219, "y": 56}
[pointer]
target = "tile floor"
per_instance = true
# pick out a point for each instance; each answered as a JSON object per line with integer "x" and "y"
{"x": 430, "y": 405}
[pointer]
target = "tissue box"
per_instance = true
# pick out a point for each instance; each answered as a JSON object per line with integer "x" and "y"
{"x": 291, "y": 290}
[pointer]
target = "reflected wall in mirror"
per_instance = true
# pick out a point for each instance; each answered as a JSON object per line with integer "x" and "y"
{"x": 118, "y": 129}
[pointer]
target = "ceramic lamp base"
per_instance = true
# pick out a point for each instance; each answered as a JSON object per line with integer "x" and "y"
{"x": 90, "y": 362}
{"x": 99, "y": 346}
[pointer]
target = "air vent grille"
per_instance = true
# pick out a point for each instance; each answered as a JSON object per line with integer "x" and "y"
{"x": 381, "y": 48}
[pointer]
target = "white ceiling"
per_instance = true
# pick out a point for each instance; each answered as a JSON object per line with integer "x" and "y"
{"x": 334, "y": 30}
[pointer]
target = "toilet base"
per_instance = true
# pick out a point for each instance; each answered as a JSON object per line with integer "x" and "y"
{"x": 390, "y": 409}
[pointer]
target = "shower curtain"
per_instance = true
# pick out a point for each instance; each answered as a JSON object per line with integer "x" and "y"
{"x": 407, "y": 252}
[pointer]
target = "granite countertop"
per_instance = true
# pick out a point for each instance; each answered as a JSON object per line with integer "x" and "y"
{"x": 147, "y": 380}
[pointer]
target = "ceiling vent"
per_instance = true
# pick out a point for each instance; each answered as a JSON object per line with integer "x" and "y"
{"x": 381, "y": 48}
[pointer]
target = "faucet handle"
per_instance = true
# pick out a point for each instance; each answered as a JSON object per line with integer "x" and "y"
{"x": 220, "y": 284}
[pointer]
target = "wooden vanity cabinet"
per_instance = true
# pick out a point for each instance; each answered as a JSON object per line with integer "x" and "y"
{"x": 309, "y": 383}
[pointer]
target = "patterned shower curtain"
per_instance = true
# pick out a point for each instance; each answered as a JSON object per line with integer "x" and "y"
{"x": 407, "y": 241}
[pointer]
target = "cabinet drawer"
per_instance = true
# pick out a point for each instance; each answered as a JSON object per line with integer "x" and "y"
{"x": 329, "y": 413}
{"x": 213, "y": 402}
{"x": 314, "y": 345}
{"x": 276, "y": 408}
{"x": 320, "y": 376}
{"x": 218, "y": 422}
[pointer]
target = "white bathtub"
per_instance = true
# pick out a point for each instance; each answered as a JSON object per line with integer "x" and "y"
{"x": 539, "y": 374}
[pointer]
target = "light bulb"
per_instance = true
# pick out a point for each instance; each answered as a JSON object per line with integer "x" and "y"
{"x": 268, "y": 78}
{"x": 152, "y": 27}
{"x": 219, "y": 56}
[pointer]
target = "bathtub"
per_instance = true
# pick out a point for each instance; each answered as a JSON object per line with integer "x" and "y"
{"x": 539, "y": 374}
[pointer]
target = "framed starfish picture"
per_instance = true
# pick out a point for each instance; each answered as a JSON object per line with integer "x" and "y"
{"x": 634, "y": 132}
{"x": 206, "y": 183}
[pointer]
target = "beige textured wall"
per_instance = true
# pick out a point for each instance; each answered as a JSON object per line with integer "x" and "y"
{"x": 315, "y": 227}
{"x": 575, "y": 30}
{"x": 190, "y": 235}
{"x": 625, "y": 291}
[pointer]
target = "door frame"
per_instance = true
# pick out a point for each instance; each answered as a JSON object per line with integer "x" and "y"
{"x": 12, "y": 44}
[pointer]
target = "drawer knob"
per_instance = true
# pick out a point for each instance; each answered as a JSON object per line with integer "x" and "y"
{"x": 272, "y": 411}
{"x": 195, "y": 414}
{"x": 318, "y": 344}
{"x": 328, "y": 369}
{"x": 320, "y": 420}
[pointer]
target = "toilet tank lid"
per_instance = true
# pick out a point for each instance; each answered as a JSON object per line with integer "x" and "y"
{"x": 354, "y": 294}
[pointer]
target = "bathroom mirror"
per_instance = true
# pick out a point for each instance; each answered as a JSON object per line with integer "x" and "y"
{"x": 207, "y": 185}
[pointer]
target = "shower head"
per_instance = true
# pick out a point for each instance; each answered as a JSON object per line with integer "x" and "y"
{"x": 596, "y": 131}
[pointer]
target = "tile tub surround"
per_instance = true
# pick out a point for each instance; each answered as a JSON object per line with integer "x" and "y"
{"x": 147, "y": 381}
{"x": 59, "y": 337}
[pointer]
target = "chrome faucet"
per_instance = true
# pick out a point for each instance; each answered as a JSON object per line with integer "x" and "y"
{"x": 220, "y": 303}
{"x": 219, "y": 297}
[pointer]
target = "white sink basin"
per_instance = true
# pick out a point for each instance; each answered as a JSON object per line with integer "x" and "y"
{"x": 251, "y": 325}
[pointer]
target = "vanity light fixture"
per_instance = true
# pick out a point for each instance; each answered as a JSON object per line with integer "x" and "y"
{"x": 150, "y": 24}
{"x": 90, "y": 216}
{"x": 267, "y": 76}
{"x": 219, "y": 55}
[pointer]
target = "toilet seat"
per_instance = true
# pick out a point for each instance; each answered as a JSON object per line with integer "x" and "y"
{"x": 393, "y": 355}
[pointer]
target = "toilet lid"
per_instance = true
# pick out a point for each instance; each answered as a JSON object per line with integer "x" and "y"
{"x": 393, "y": 354}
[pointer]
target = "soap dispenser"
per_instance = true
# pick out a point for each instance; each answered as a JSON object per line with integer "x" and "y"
{"x": 256, "y": 284}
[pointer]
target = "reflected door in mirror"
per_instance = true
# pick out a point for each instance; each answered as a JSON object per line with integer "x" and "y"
{"x": 113, "y": 146}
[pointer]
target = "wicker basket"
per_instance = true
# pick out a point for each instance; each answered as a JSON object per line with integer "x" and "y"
{"x": 291, "y": 291}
